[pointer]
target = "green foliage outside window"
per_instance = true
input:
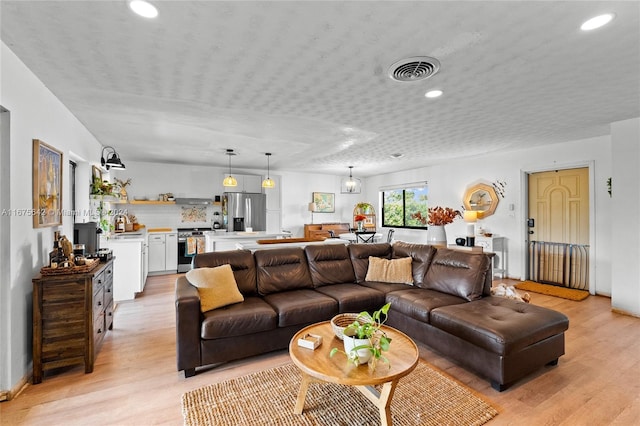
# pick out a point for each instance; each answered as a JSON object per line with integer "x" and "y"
{"x": 399, "y": 204}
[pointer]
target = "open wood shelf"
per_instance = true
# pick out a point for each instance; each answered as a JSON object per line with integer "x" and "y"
{"x": 151, "y": 202}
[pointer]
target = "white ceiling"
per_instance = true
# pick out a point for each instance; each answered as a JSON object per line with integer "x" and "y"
{"x": 308, "y": 80}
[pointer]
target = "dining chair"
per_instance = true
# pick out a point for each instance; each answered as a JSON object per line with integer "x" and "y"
{"x": 390, "y": 235}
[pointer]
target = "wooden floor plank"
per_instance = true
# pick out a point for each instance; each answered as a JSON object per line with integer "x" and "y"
{"x": 135, "y": 380}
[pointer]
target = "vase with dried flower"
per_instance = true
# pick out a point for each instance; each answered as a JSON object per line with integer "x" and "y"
{"x": 437, "y": 218}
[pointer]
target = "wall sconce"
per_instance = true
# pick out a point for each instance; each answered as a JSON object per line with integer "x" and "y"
{"x": 230, "y": 180}
{"x": 471, "y": 217}
{"x": 112, "y": 161}
{"x": 312, "y": 208}
{"x": 350, "y": 185}
{"x": 268, "y": 182}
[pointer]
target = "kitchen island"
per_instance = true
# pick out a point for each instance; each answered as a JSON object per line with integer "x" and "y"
{"x": 221, "y": 240}
{"x": 255, "y": 245}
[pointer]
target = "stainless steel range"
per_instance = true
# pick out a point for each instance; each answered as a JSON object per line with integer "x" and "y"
{"x": 184, "y": 260}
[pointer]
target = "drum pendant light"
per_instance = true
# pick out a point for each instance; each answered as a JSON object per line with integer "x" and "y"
{"x": 268, "y": 182}
{"x": 230, "y": 180}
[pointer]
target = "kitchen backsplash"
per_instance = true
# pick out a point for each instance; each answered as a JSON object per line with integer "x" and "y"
{"x": 174, "y": 216}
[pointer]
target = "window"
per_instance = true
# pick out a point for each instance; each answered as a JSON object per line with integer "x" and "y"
{"x": 399, "y": 204}
{"x": 72, "y": 184}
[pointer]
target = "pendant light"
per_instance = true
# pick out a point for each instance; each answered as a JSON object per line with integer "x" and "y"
{"x": 350, "y": 185}
{"x": 268, "y": 182}
{"x": 230, "y": 180}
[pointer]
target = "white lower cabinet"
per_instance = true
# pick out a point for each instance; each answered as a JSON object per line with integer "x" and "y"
{"x": 157, "y": 250}
{"x": 171, "y": 252}
{"x": 128, "y": 275}
{"x": 163, "y": 253}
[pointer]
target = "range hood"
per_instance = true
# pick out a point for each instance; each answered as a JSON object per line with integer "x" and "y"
{"x": 194, "y": 201}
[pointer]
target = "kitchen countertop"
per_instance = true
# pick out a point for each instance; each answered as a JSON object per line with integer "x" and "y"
{"x": 238, "y": 235}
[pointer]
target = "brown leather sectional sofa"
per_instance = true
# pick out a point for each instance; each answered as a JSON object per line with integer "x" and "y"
{"x": 449, "y": 307}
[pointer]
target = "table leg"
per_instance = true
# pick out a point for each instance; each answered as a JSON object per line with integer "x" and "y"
{"x": 381, "y": 399}
{"x": 302, "y": 393}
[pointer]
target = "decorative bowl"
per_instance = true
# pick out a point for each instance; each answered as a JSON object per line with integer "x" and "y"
{"x": 342, "y": 321}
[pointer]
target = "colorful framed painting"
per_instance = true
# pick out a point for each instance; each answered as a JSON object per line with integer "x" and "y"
{"x": 325, "y": 202}
{"x": 47, "y": 185}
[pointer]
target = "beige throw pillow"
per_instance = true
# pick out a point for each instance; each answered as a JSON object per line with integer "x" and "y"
{"x": 390, "y": 271}
{"x": 217, "y": 287}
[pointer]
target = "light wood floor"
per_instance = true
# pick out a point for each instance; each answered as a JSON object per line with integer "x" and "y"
{"x": 135, "y": 380}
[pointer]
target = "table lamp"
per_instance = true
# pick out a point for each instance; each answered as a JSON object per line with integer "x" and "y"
{"x": 471, "y": 217}
{"x": 312, "y": 208}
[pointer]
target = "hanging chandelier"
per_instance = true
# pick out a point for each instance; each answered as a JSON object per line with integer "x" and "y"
{"x": 350, "y": 185}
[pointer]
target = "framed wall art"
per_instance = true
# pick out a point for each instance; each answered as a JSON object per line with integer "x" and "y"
{"x": 47, "y": 185}
{"x": 97, "y": 173}
{"x": 325, "y": 202}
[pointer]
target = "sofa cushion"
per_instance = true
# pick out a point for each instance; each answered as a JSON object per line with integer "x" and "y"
{"x": 281, "y": 270}
{"x": 242, "y": 264}
{"x": 353, "y": 297}
{"x": 389, "y": 270}
{"x": 254, "y": 315}
{"x": 499, "y": 325}
{"x": 417, "y": 303}
{"x": 329, "y": 264}
{"x": 458, "y": 273}
{"x": 359, "y": 254}
{"x": 301, "y": 307}
{"x": 421, "y": 254}
{"x": 216, "y": 286}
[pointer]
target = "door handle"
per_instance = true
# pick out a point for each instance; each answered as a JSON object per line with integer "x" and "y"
{"x": 530, "y": 232}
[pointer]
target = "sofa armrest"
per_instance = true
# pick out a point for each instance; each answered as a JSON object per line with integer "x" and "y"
{"x": 188, "y": 324}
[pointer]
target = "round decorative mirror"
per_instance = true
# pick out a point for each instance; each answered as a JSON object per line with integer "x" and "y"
{"x": 481, "y": 198}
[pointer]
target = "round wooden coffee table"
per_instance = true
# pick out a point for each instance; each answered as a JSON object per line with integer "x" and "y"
{"x": 316, "y": 366}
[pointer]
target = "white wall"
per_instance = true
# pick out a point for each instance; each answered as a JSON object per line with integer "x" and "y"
{"x": 448, "y": 182}
{"x": 35, "y": 113}
{"x": 625, "y": 228}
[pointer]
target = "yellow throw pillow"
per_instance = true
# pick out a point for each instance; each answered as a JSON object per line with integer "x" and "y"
{"x": 217, "y": 287}
{"x": 390, "y": 271}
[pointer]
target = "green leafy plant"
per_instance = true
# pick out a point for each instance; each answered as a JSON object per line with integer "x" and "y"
{"x": 100, "y": 187}
{"x": 368, "y": 326}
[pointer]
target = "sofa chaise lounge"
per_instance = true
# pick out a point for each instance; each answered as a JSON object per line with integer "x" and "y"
{"x": 447, "y": 307}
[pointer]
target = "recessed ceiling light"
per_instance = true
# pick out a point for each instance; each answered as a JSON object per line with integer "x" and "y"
{"x": 396, "y": 155}
{"x": 597, "y": 22}
{"x": 433, "y": 93}
{"x": 143, "y": 8}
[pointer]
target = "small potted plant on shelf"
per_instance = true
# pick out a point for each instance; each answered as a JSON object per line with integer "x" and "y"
{"x": 365, "y": 208}
{"x": 120, "y": 186}
{"x": 364, "y": 340}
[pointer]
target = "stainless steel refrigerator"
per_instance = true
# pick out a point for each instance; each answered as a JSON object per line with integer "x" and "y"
{"x": 242, "y": 210}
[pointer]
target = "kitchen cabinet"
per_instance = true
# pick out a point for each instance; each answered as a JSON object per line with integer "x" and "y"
{"x": 274, "y": 213}
{"x": 129, "y": 265}
{"x": 163, "y": 252}
{"x": 171, "y": 252}
{"x": 246, "y": 183}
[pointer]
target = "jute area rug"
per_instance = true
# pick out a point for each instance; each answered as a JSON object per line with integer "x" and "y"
{"x": 553, "y": 290}
{"x": 424, "y": 397}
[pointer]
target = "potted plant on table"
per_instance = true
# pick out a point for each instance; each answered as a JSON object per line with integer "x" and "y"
{"x": 364, "y": 340}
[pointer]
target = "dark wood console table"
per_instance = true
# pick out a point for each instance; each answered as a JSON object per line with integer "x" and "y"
{"x": 71, "y": 314}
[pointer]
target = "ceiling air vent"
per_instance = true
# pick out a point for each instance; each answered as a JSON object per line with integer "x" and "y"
{"x": 414, "y": 69}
